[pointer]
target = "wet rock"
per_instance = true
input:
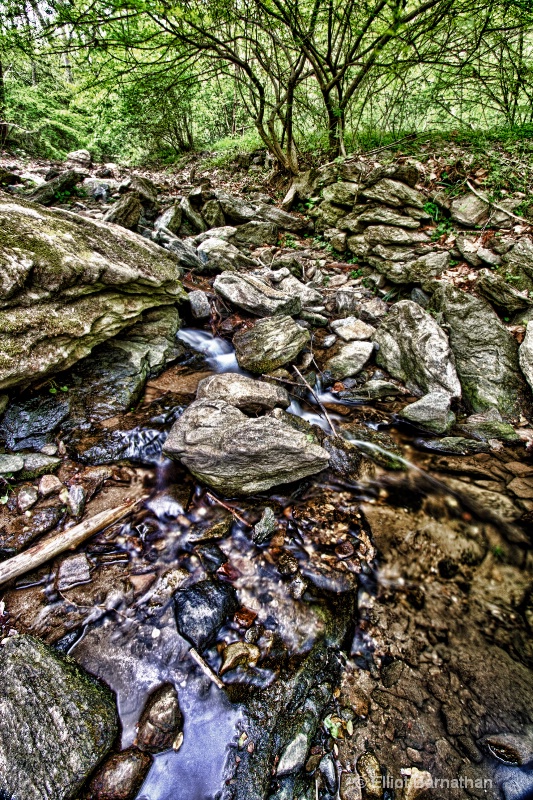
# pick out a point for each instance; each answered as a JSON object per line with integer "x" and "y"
{"x": 258, "y": 233}
{"x": 266, "y": 527}
{"x": 126, "y": 212}
{"x": 242, "y": 392}
{"x": 49, "y": 192}
{"x": 431, "y": 412}
{"x": 486, "y": 355}
{"x": 31, "y": 423}
{"x": 73, "y": 571}
{"x": 120, "y": 777}
{"x": 171, "y": 219}
{"x": 76, "y": 500}
{"x": 270, "y": 344}
{"x": 511, "y": 748}
{"x": 393, "y": 193}
{"x": 217, "y": 254}
{"x": 202, "y": 609}
{"x": 469, "y": 210}
{"x": 57, "y": 722}
{"x": 414, "y": 349}
{"x": 294, "y": 756}
{"x": 329, "y": 773}
{"x": 239, "y": 455}
{"x": 92, "y": 282}
{"x": 255, "y": 296}
{"x": 239, "y": 654}
{"x": 27, "y": 497}
{"x": 352, "y": 329}
{"x": 161, "y": 720}
{"x": 211, "y": 556}
{"x": 200, "y": 307}
{"x": 493, "y": 288}
{"x": 418, "y": 271}
{"x": 370, "y": 773}
{"x": 350, "y": 360}
{"x": 213, "y": 214}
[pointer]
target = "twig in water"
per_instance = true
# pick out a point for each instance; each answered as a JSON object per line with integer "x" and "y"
{"x": 206, "y": 669}
{"x": 496, "y": 206}
{"x": 228, "y": 508}
{"x": 321, "y": 406}
{"x": 66, "y": 540}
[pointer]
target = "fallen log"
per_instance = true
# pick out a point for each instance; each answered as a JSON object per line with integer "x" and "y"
{"x": 66, "y": 540}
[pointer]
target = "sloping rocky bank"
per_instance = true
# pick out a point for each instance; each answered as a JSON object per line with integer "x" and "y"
{"x": 326, "y": 419}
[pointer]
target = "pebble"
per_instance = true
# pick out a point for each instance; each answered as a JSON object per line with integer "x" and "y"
{"x": 49, "y": 484}
{"x": 161, "y": 721}
{"x": 287, "y": 564}
{"x": 120, "y": 776}
{"x": 370, "y": 772}
{"x": 76, "y": 500}
{"x": 200, "y": 307}
{"x": 239, "y": 653}
{"x": 265, "y": 528}
{"x": 27, "y": 497}
{"x": 73, "y": 571}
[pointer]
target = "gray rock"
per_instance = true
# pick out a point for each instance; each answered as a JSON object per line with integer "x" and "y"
{"x": 270, "y": 344}
{"x": 200, "y": 307}
{"x": 405, "y": 173}
{"x": 254, "y": 295}
{"x": 493, "y": 288}
{"x": 57, "y": 722}
{"x": 48, "y": 192}
{"x": 308, "y": 295}
{"x": 245, "y": 393}
{"x": 73, "y": 571}
{"x": 351, "y": 223}
{"x": 337, "y": 239}
{"x": 387, "y": 234}
{"x": 161, "y": 720}
{"x": 381, "y": 215}
{"x": 126, "y": 212}
{"x": 525, "y": 355}
{"x": 394, "y": 193}
{"x": 422, "y": 269}
{"x": 294, "y": 756}
{"x": 391, "y": 253}
{"x": 235, "y": 209}
{"x": 258, "y": 233}
{"x": 92, "y": 282}
{"x": 202, "y": 609}
{"x": 284, "y": 220}
{"x": 469, "y": 210}
{"x": 414, "y": 349}
{"x": 217, "y": 254}
{"x": 79, "y": 158}
{"x": 97, "y": 189}
{"x": 456, "y": 445}
{"x": 342, "y": 193}
{"x": 266, "y": 527}
{"x": 352, "y": 329}
{"x": 486, "y": 355}
{"x": 27, "y": 497}
{"x": 193, "y": 217}
{"x": 350, "y": 360}
{"x": 490, "y": 429}
{"x": 237, "y": 455}
{"x": 372, "y": 390}
{"x": 76, "y": 500}
{"x": 213, "y": 214}
{"x": 468, "y": 248}
{"x": 227, "y": 232}
{"x": 143, "y": 187}
{"x": 29, "y": 424}
{"x": 171, "y": 219}
{"x": 327, "y": 216}
{"x": 431, "y": 412}
{"x": 521, "y": 256}
{"x": 37, "y": 464}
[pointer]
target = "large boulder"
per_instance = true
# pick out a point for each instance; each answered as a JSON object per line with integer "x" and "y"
{"x": 237, "y": 455}
{"x": 67, "y": 284}
{"x": 486, "y": 355}
{"x": 270, "y": 344}
{"x": 242, "y": 392}
{"x": 254, "y": 295}
{"x": 414, "y": 349}
{"x": 57, "y": 722}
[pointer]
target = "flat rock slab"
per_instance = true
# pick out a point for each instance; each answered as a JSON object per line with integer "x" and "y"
{"x": 254, "y": 295}
{"x": 237, "y": 455}
{"x": 271, "y": 343}
{"x": 69, "y": 283}
{"x": 242, "y": 392}
{"x": 57, "y": 722}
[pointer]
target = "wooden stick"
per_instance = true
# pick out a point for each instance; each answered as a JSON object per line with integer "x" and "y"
{"x": 321, "y": 406}
{"x": 228, "y": 508}
{"x": 206, "y": 669}
{"x": 495, "y": 205}
{"x": 66, "y": 540}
